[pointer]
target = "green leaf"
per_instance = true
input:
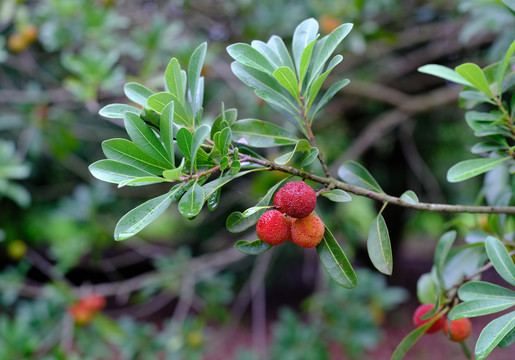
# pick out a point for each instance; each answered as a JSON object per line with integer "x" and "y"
{"x": 473, "y": 74}
{"x": 166, "y": 131}
{"x": 247, "y": 55}
{"x": 286, "y": 77}
{"x": 117, "y": 111}
{"x": 501, "y": 71}
{"x": 328, "y": 46}
{"x": 145, "y": 179}
{"x": 143, "y": 136}
{"x": 314, "y": 88}
{"x": 510, "y": 4}
{"x": 137, "y": 93}
{"x": 337, "y": 195}
{"x": 379, "y": 247}
{"x": 256, "y": 247}
{"x": 335, "y": 261}
{"x": 500, "y": 259}
{"x": 174, "y": 174}
{"x": 222, "y": 140}
{"x": 470, "y": 168}
{"x": 235, "y": 167}
{"x": 261, "y": 134}
{"x": 194, "y": 80}
{"x": 160, "y": 100}
{"x": 261, "y": 81}
{"x": 129, "y": 153}
{"x": 443, "y": 247}
{"x": 301, "y": 145}
{"x": 184, "y": 139}
{"x": 410, "y": 339}
{"x": 267, "y": 52}
{"x": 237, "y": 223}
{"x": 305, "y": 59}
{"x": 480, "y": 307}
{"x": 486, "y": 147}
{"x": 200, "y": 135}
{"x": 303, "y": 35}
{"x": 508, "y": 340}
{"x": 493, "y": 334}
{"x": 427, "y": 290}
{"x": 277, "y": 45}
{"x": 173, "y": 80}
{"x": 353, "y": 173}
{"x": 139, "y": 217}
{"x": 191, "y": 203}
{"x": 214, "y": 200}
{"x": 310, "y": 157}
{"x": 337, "y": 86}
{"x": 444, "y": 73}
{"x": 115, "y": 172}
{"x": 410, "y": 197}
{"x": 474, "y": 290}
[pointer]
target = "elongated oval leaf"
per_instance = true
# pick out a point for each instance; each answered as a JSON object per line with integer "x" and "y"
{"x": 191, "y": 203}
{"x": 473, "y": 290}
{"x": 145, "y": 179}
{"x": 310, "y": 157}
{"x": 493, "y": 334}
{"x": 129, "y": 153}
{"x": 277, "y": 45}
{"x": 474, "y": 75}
{"x": 379, "y": 247}
{"x": 256, "y": 247}
{"x": 174, "y": 174}
{"x": 316, "y": 84}
{"x": 142, "y": 215}
{"x": 201, "y": 134}
{"x": 353, "y": 173}
{"x": 444, "y": 73}
{"x": 328, "y": 46}
{"x": 195, "y": 82}
{"x": 117, "y": 111}
{"x": 335, "y": 261}
{"x": 115, "y": 172}
{"x": 410, "y": 197}
{"x": 337, "y": 86}
{"x": 480, "y": 307}
{"x": 286, "y": 77}
{"x": 302, "y": 145}
{"x": 337, "y": 195}
{"x": 410, "y": 339}
{"x": 257, "y": 133}
{"x": 443, "y": 247}
{"x": 500, "y": 259}
{"x": 160, "y": 100}
{"x": 427, "y": 290}
{"x": 470, "y": 168}
{"x": 137, "y": 93}
{"x": 173, "y": 80}
{"x": 247, "y": 55}
{"x": 305, "y": 60}
{"x": 267, "y": 52}
{"x": 143, "y": 136}
{"x": 166, "y": 131}
{"x": 303, "y": 35}
{"x": 184, "y": 139}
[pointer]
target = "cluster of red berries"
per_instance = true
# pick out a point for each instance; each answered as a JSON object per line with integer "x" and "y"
{"x": 294, "y": 218}
{"x": 458, "y": 330}
{"x": 83, "y": 310}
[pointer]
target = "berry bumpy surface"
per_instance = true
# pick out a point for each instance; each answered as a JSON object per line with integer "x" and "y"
{"x": 460, "y": 329}
{"x": 417, "y": 318}
{"x": 308, "y": 231}
{"x": 296, "y": 199}
{"x": 273, "y": 228}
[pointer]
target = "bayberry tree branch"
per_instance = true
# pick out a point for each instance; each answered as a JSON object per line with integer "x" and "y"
{"x": 332, "y": 183}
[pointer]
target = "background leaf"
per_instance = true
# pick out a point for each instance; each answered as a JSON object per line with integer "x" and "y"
{"x": 353, "y": 173}
{"x": 379, "y": 247}
{"x": 470, "y": 168}
{"x": 256, "y": 247}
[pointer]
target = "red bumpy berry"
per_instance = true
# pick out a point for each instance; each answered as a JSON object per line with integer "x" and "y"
{"x": 296, "y": 199}
{"x": 417, "y": 318}
{"x": 460, "y": 329}
{"x": 273, "y": 227}
{"x": 94, "y": 302}
{"x": 308, "y": 231}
